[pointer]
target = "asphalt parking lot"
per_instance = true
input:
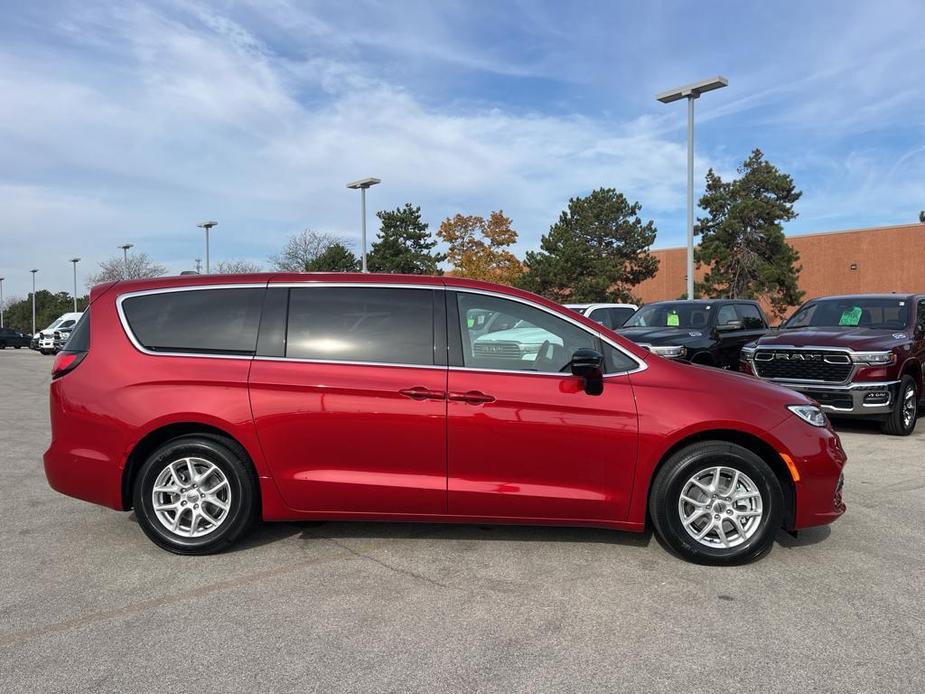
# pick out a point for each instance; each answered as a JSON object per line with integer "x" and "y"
{"x": 88, "y": 604}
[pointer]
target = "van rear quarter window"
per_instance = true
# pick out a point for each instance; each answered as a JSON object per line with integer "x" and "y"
{"x": 207, "y": 321}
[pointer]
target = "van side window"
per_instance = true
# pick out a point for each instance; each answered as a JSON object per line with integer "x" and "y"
{"x": 204, "y": 321}
{"x": 535, "y": 340}
{"x": 361, "y": 324}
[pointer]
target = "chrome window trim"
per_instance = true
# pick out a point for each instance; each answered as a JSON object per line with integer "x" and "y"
{"x": 640, "y": 363}
{"x": 129, "y": 333}
{"x": 341, "y": 362}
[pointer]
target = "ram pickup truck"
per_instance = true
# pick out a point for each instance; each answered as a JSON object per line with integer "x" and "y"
{"x": 857, "y": 356}
{"x": 710, "y": 332}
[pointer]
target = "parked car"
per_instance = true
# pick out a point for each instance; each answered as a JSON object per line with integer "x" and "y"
{"x": 46, "y": 338}
{"x": 611, "y": 315}
{"x": 62, "y": 335}
{"x": 206, "y": 403}
{"x": 858, "y": 356}
{"x": 710, "y": 332}
{"x": 13, "y": 338}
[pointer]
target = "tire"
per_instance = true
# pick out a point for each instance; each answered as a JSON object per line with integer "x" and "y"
{"x": 16, "y": 347}
{"x": 232, "y": 483}
{"x": 762, "y": 510}
{"x": 2, "y": 345}
{"x": 901, "y": 421}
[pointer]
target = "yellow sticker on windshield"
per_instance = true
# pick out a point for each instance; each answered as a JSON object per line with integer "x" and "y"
{"x": 850, "y": 317}
{"x": 673, "y": 320}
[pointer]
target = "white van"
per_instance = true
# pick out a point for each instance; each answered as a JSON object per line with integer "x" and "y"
{"x": 610, "y": 315}
{"x": 46, "y": 337}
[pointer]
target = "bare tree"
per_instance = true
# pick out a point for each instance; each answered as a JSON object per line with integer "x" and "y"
{"x": 235, "y": 267}
{"x": 302, "y": 249}
{"x": 136, "y": 266}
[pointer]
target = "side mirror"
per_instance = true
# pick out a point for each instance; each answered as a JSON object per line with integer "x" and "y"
{"x": 729, "y": 326}
{"x": 588, "y": 364}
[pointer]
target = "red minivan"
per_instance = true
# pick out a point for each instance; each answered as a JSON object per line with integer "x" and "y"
{"x": 207, "y": 403}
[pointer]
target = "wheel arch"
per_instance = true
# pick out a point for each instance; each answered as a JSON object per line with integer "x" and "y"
{"x": 156, "y": 437}
{"x": 754, "y": 443}
{"x": 703, "y": 358}
{"x": 912, "y": 367}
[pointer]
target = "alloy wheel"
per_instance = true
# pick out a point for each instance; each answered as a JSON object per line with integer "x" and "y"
{"x": 720, "y": 507}
{"x": 191, "y": 497}
{"x": 910, "y": 407}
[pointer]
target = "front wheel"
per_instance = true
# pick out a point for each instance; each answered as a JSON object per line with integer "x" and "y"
{"x": 196, "y": 495}
{"x": 901, "y": 421}
{"x": 716, "y": 503}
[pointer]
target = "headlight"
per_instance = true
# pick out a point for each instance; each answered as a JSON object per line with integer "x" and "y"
{"x": 668, "y": 351}
{"x": 873, "y": 357}
{"x": 748, "y": 353}
{"x": 809, "y": 414}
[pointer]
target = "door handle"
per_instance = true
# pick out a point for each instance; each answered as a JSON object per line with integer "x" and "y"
{"x": 472, "y": 397}
{"x": 422, "y": 393}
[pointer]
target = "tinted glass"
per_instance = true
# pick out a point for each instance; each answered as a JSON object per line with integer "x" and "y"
{"x": 750, "y": 316}
{"x": 534, "y": 341}
{"x": 80, "y": 337}
{"x": 616, "y": 361}
{"x": 209, "y": 321}
{"x": 671, "y": 315}
{"x": 363, "y": 324}
{"x": 852, "y": 312}
{"x": 921, "y": 314}
{"x": 726, "y": 314}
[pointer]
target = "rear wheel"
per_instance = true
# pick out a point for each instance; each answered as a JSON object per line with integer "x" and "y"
{"x": 716, "y": 503}
{"x": 196, "y": 495}
{"x": 901, "y": 421}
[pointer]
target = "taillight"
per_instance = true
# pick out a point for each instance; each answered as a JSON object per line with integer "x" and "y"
{"x": 66, "y": 362}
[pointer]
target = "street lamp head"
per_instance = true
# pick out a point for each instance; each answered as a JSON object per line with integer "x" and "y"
{"x": 207, "y": 225}
{"x": 75, "y": 260}
{"x": 364, "y": 183}
{"x": 692, "y": 91}
{"x": 34, "y": 271}
{"x": 126, "y": 246}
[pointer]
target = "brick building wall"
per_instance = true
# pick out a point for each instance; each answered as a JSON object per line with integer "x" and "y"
{"x": 878, "y": 259}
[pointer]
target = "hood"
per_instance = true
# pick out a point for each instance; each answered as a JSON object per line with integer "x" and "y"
{"x": 662, "y": 335}
{"x": 857, "y": 339}
{"x": 523, "y": 336}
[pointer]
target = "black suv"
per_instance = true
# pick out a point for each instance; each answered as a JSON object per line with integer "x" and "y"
{"x": 711, "y": 332}
{"x": 12, "y": 338}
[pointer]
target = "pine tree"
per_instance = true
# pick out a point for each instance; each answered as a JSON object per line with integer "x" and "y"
{"x": 404, "y": 245}
{"x": 597, "y": 251}
{"x": 741, "y": 238}
{"x": 335, "y": 258}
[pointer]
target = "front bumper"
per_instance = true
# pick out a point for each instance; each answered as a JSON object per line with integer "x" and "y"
{"x": 853, "y": 400}
{"x": 819, "y": 459}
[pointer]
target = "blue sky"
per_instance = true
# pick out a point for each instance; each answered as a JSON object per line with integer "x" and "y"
{"x": 130, "y": 122}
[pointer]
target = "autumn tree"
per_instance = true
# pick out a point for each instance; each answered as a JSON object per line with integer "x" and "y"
{"x": 598, "y": 250}
{"x": 335, "y": 258}
{"x": 742, "y": 240}
{"x": 479, "y": 247}
{"x": 404, "y": 244}
{"x": 133, "y": 266}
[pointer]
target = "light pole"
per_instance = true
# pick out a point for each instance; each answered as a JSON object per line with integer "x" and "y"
{"x": 33, "y": 299}
{"x": 207, "y": 226}
{"x": 125, "y": 247}
{"x": 198, "y": 265}
{"x": 1, "y": 301}
{"x": 691, "y": 92}
{"x": 362, "y": 185}
{"x": 75, "y": 261}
